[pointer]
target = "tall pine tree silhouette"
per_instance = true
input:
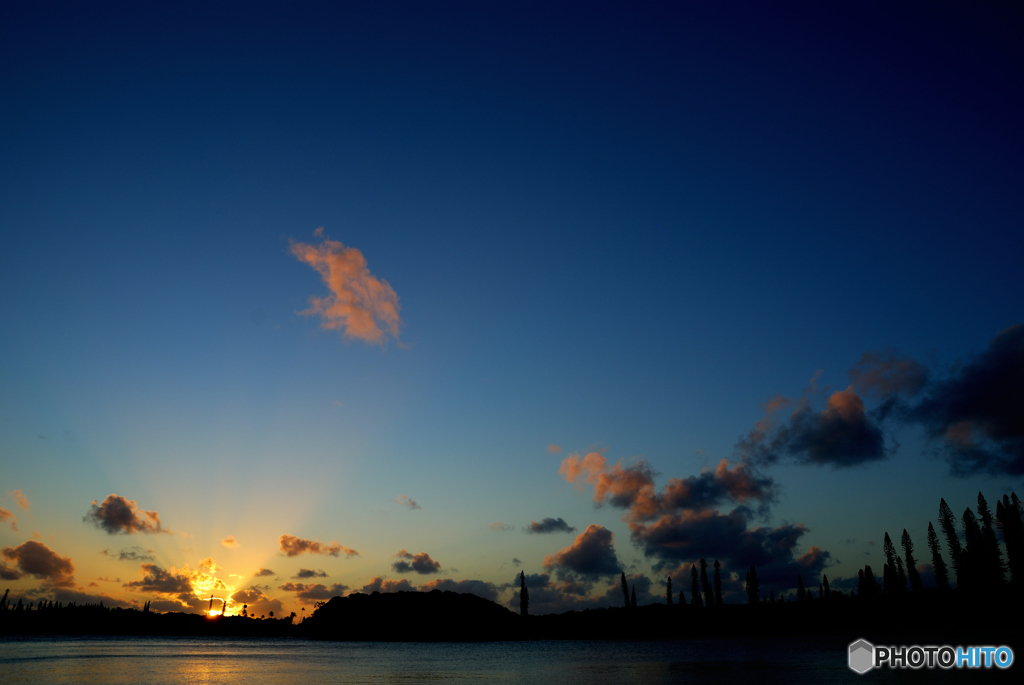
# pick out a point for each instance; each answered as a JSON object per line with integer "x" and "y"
{"x": 938, "y": 564}
{"x": 1009, "y": 519}
{"x": 973, "y": 555}
{"x": 753, "y": 588}
{"x": 718, "y": 584}
{"x": 524, "y": 595}
{"x": 993, "y": 568}
{"x": 709, "y": 596}
{"x": 625, "y": 590}
{"x": 908, "y": 553}
{"x": 695, "y": 588}
{"x": 948, "y": 524}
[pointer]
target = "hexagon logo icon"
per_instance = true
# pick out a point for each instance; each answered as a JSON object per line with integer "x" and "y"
{"x": 862, "y": 656}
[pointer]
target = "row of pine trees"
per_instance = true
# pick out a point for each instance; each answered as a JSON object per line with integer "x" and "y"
{"x": 977, "y": 562}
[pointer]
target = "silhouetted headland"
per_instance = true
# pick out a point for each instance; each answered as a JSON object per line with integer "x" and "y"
{"x": 412, "y": 616}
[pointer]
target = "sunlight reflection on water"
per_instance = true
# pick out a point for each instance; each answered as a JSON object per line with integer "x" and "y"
{"x": 89, "y": 661}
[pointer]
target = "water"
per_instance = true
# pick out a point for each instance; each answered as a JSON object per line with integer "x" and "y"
{"x": 91, "y": 660}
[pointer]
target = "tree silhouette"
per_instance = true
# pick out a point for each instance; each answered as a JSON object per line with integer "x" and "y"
{"x": 632, "y": 597}
{"x": 524, "y": 596}
{"x": 901, "y": 577}
{"x": 991, "y": 561}
{"x": 948, "y": 524}
{"x": 1008, "y": 518}
{"x": 824, "y": 581}
{"x": 752, "y": 586}
{"x": 938, "y": 564}
{"x": 867, "y": 588}
{"x": 682, "y": 599}
{"x": 908, "y": 552}
{"x": 668, "y": 594}
{"x": 890, "y": 575}
{"x": 625, "y": 590}
{"x": 695, "y": 587}
{"x": 718, "y": 584}
{"x": 709, "y": 596}
{"x": 973, "y": 554}
{"x": 801, "y": 593}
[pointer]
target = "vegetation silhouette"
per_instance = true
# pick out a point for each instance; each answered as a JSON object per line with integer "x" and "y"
{"x": 976, "y": 609}
{"x": 524, "y": 596}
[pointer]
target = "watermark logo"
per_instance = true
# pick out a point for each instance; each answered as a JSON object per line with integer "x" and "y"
{"x": 864, "y": 656}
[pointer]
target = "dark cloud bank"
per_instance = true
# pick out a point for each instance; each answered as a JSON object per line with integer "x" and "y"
{"x": 974, "y": 416}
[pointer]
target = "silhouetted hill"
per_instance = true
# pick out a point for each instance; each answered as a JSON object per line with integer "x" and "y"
{"x": 412, "y": 616}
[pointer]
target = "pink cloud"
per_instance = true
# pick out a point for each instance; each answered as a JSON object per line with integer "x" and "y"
{"x": 292, "y": 546}
{"x": 117, "y": 514}
{"x": 360, "y": 305}
{"x": 6, "y": 516}
{"x": 20, "y": 498}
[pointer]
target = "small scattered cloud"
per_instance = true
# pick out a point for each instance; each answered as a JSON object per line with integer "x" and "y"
{"x": 379, "y": 584}
{"x": 549, "y": 525}
{"x": 883, "y": 375}
{"x": 292, "y": 546}
{"x": 19, "y": 497}
{"x": 157, "y": 580}
{"x": 119, "y": 515}
{"x": 309, "y": 573}
{"x": 419, "y": 563}
{"x": 263, "y": 573}
{"x": 209, "y": 565}
{"x": 516, "y": 562}
{"x": 7, "y": 517}
{"x": 406, "y": 501}
{"x": 134, "y": 553}
{"x": 500, "y": 527}
{"x": 36, "y": 559}
{"x": 314, "y": 592}
{"x": 230, "y": 542}
{"x": 360, "y": 305}
{"x": 554, "y": 449}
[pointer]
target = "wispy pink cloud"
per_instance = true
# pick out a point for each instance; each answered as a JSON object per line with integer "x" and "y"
{"x": 360, "y": 305}
{"x": 292, "y": 546}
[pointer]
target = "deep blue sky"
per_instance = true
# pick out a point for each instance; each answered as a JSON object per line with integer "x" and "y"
{"x": 609, "y": 227}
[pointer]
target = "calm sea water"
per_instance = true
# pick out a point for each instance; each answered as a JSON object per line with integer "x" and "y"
{"x": 229, "y": 660}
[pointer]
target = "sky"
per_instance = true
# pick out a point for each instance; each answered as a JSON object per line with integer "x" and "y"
{"x": 300, "y": 301}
